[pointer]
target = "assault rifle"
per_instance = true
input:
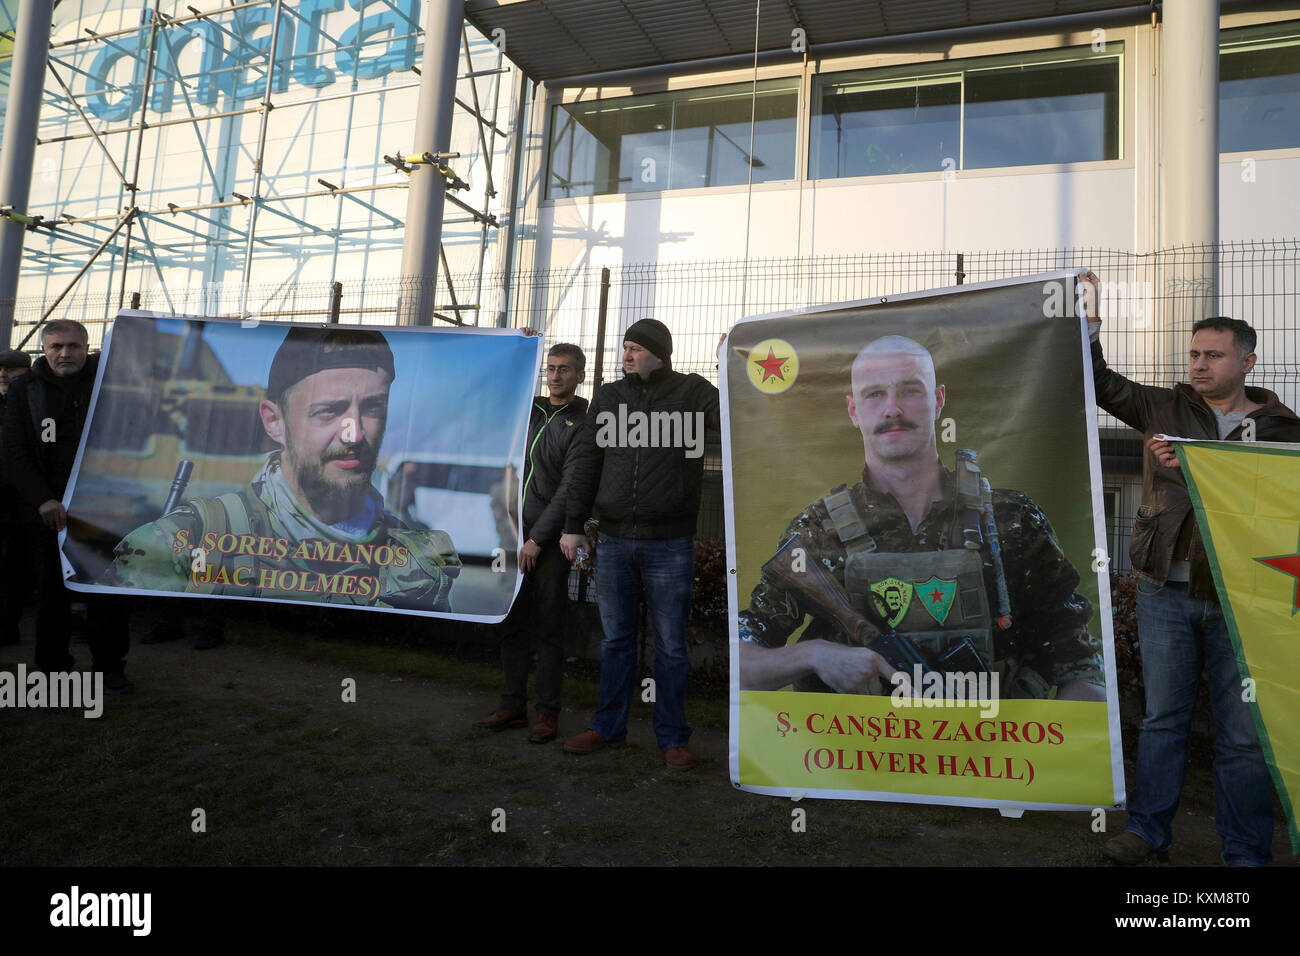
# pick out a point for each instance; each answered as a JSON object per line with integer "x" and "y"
{"x": 822, "y": 595}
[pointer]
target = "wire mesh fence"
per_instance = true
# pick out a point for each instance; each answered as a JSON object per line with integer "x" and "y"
{"x": 1149, "y": 303}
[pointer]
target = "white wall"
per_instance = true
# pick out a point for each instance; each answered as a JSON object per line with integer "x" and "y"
{"x": 1259, "y": 201}
{"x": 1091, "y": 208}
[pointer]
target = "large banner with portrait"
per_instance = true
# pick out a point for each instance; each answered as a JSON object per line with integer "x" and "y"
{"x": 920, "y": 600}
{"x": 363, "y": 467}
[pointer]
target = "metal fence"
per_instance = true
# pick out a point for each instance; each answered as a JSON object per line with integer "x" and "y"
{"x": 1149, "y": 303}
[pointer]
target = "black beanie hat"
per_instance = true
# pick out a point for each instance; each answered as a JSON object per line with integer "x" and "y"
{"x": 653, "y": 335}
{"x": 306, "y": 351}
{"x": 14, "y": 358}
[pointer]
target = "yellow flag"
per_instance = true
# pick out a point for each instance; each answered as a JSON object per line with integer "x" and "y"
{"x": 1249, "y": 512}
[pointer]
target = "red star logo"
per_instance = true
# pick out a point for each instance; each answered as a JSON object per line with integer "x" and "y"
{"x": 1287, "y": 564}
{"x": 936, "y": 596}
{"x": 771, "y": 365}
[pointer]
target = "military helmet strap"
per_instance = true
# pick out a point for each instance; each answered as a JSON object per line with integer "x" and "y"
{"x": 846, "y": 522}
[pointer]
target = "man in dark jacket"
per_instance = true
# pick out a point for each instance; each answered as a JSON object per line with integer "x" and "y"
{"x": 17, "y": 531}
{"x": 44, "y": 415}
{"x": 642, "y": 467}
{"x": 1180, "y": 622}
{"x": 537, "y": 618}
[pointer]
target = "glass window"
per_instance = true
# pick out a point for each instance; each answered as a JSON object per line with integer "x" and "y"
{"x": 874, "y": 129}
{"x": 1060, "y": 106}
{"x": 677, "y": 140}
{"x": 1044, "y": 113}
{"x": 1259, "y": 89}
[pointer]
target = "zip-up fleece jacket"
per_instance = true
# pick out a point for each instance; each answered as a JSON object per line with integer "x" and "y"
{"x": 549, "y": 464}
{"x": 1166, "y": 504}
{"x": 641, "y": 482}
{"x": 40, "y": 469}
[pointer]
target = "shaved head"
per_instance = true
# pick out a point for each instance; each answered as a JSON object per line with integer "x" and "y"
{"x": 894, "y": 401}
{"x": 894, "y": 346}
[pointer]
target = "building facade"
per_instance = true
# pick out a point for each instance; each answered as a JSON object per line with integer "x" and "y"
{"x": 696, "y": 162}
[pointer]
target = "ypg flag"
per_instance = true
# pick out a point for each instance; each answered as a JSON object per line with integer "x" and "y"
{"x": 918, "y": 612}
{"x": 1244, "y": 494}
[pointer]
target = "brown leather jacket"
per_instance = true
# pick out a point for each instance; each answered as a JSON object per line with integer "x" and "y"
{"x": 1165, "y": 503}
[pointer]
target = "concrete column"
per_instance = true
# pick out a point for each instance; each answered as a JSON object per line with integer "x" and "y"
{"x": 1189, "y": 171}
{"x": 509, "y": 231}
{"x": 22, "y": 115}
{"x": 424, "y": 204}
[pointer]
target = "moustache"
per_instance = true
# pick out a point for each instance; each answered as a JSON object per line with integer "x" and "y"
{"x": 363, "y": 451}
{"x": 897, "y": 423}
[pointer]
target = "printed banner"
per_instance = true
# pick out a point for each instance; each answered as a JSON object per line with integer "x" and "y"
{"x": 1245, "y": 501}
{"x": 920, "y": 598}
{"x": 364, "y": 467}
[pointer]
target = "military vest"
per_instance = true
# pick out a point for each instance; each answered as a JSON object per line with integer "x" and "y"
{"x": 937, "y": 598}
{"x": 423, "y": 583}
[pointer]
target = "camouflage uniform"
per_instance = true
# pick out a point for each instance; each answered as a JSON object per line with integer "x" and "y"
{"x": 1047, "y": 643}
{"x": 158, "y": 556}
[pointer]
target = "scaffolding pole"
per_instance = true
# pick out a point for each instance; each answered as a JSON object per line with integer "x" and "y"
{"x": 423, "y": 256}
{"x": 257, "y": 162}
{"x": 510, "y": 201}
{"x": 242, "y": 111}
{"x": 86, "y": 120}
{"x": 133, "y": 185}
{"x": 126, "y": 218}
{"x": 22, "y": 115}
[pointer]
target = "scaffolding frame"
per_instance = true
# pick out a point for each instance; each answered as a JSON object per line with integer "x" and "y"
{"x": 156, "y": 31}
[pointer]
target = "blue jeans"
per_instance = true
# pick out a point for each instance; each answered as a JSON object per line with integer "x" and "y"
{"x": 1178, "y": 634}
{"x": 664, "y": 570}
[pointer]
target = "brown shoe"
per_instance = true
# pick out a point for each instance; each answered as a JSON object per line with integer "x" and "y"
{"x": 1129, "y": 849}
{"x": 502, "y": 719}
{"x": 679, "y": 758}
{"x": 545, "y": 729}
{"x": 586, "y": 742}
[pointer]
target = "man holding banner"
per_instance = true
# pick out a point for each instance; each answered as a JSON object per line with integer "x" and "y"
{"x": 310, "y": 525}
{"x": 1180, "y": 621}
{"x": 44, "y": 417}
{"x": 918, "y": 543}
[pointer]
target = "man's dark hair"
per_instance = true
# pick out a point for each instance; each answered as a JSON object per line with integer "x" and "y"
{"x": 1243, "y": 336}
{"x": 571, "y": 350}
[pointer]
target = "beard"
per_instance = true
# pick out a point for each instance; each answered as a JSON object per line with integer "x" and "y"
{"x": 340, "y": 492}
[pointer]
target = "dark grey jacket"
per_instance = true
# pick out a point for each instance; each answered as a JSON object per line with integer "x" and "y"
{"x": 549, "y": 463}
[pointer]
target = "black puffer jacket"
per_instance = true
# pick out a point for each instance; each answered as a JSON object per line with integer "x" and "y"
{"x": 634, "y": 465}
{"x": 40, "y": 469}
{"x": 549, "y": 463}
{"x": 1166, "y": 503}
